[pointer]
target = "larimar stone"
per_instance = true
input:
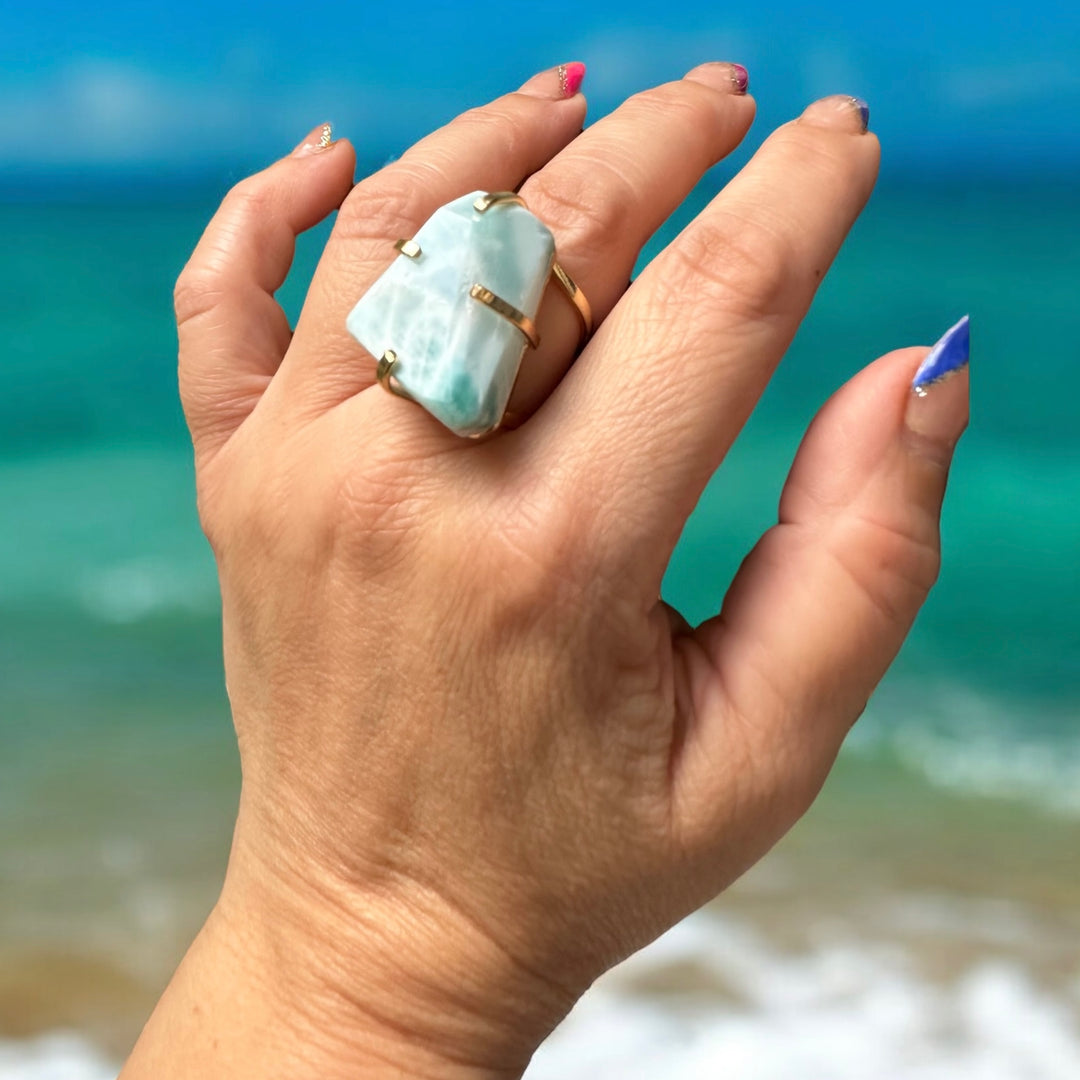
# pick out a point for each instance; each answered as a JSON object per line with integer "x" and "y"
{"x": 456, "y": 356}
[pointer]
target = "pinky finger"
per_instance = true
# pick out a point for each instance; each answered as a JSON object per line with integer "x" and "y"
{"x": 233, "y": 334}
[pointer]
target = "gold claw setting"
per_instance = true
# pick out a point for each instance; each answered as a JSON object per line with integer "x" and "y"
{"x": 469, "y": 396}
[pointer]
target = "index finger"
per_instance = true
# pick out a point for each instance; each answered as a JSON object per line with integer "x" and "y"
{"x": 673, "y": 373}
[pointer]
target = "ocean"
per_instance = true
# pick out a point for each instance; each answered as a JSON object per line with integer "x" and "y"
{"x": 923, "y": 922}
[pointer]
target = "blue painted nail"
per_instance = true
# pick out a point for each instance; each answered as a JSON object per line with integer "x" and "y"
{"x": 864, "y": 112}
{"x": 948, "y": 355}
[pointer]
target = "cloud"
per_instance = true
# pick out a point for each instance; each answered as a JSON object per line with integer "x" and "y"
{"x": 95, "y": 111}
{"x": 102, "y": 112}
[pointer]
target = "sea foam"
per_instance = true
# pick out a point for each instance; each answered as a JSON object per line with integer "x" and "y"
{"x": 843, "y": 1012}
{"x": 56, "y": 1056}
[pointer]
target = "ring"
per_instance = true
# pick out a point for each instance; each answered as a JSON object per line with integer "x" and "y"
{"x": 451, "y": 318}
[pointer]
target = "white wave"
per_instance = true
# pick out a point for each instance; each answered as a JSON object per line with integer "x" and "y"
{"x": 970, "y": 743}
{"x": 843, "y": 1012}
{"x": 56, "y": 1056}
{"x": 140, "y": 588}
{"x": 1043, "y": 773}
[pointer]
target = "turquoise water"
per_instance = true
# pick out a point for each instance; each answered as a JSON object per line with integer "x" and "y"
{"x": 107, "y": 591}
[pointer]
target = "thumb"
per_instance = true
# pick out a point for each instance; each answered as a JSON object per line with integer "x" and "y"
{"x": 821, "y": 606}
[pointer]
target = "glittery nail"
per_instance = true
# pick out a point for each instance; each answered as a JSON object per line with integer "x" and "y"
{"x": 320, "y": 139}
{"x": 570, "y": 78}
{"x": 864, "y": 112}
{"x": 938, "y": 406}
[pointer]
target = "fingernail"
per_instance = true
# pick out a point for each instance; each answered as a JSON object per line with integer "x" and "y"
{"x": 839, "y": 111}
{"x": 318, "y": 140}
{"x": 863, "y": 110}
{"x": 556, "y": 83}
{"x": 721, "y": 75}
{"x": 571, "y": 76}
{"x": 938, "y": 407}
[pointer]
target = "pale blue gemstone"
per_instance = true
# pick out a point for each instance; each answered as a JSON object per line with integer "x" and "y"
{"x": 455, "y": 355}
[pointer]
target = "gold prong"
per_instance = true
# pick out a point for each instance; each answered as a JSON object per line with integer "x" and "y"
{"x": 384, "y": 369}
{"x": 508, "y": 312}
{"x": 493, "y": 198}
{"x": 384, "y": 374}
{"x": 577, "y": 298}
{"x": 408, "y": 247}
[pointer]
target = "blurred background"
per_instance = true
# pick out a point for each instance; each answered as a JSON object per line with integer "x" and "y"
{"x": 924, "y": 921}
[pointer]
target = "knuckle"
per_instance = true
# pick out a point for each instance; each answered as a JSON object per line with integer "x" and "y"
{"x": 894, "y": 566}
{"x": 688, "y": 105}
{"x": 199, "y": 287}
{"x": 250, "y": 204}
{"x": 747, "y": 265}
{"x": 500, "y": 124}
{"x": 250, "y": 197}
{"x": 197, "y": 290}
{"x": 390, "y": 204}
{"x": 587, "y": 207}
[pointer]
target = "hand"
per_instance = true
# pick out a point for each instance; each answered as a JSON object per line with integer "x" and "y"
{"x": 482, "y": 761}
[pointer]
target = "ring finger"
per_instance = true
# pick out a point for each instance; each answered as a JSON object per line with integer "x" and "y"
{"x": 494, "y": 148}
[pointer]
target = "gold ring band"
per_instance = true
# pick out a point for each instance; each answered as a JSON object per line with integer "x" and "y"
{"x": 569, "y": 286}
{"x": 577, "y": 298}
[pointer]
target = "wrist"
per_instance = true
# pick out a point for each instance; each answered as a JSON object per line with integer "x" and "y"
{"x": 255, "y": 1002}
{"x": 379, "y": 973}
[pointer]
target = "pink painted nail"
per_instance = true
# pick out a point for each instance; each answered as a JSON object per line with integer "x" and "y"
{"x": 741, "y": 78}
{"x": 571, "y": 77}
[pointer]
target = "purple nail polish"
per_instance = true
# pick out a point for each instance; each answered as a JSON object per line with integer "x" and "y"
{"x": 864, "y": 112}
{"x": 948, "y": 355}
{"x": 741, "y": 78}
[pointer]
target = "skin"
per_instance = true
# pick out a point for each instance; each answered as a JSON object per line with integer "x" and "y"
{"x": 482, "y": 761}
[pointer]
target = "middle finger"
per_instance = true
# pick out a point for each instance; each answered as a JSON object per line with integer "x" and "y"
{"x": 612, "y": 188}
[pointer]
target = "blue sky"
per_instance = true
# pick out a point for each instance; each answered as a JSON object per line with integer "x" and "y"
{"x": 954, "y": 86}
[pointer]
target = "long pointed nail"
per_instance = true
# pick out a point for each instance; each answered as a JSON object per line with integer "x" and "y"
{"x": 318, "y": 140}
{"x": 950, "y": 353}
{"x": 938, "y": 408}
